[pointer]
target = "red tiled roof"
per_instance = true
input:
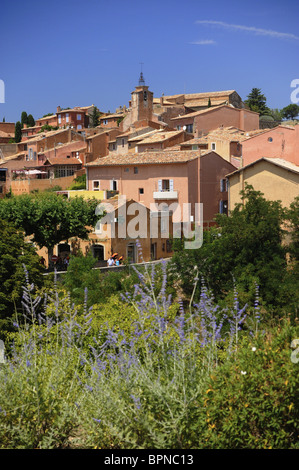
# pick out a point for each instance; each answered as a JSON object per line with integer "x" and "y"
{"x": 150, "y": 157}
{"x": 63, "y": 161}
{"x": 273, "y": 160}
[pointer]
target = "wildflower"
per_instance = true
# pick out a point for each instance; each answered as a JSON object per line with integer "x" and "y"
{"x": 253, "y": 348}
{"x": 97, "y": 420}
{"x": 243, "y": 372}
{"x": 136, "y": 401}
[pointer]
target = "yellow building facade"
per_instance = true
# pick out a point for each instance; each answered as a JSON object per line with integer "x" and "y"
{"x": 277, "y": 179}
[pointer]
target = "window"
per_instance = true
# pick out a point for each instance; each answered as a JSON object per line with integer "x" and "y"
{"x": 67, "y": 117}
{"x": 178, "y": 128}
{"x": 126, "y": 170}
{"x": 145, "y": 95}
{"x": 165, "y": 185}
{"x": 270, "y": 139}
{"x": 141, "y": 190}
{"x": 63, "y": 171}
{"x": 113, "y": 185}
{"x": 105, "y": 121}
{"x": 96, "y": 186}
{"x": 194, "y": 147}
{"x": 223, "y": 207}
{"x": 122, "y": 142}
{"x": 213, "y": 146}
{"x": 78, "y": 117}
{"x": 79, "y": 126}
{"x": 223, "y": 185}
{"x": 189, "y": 128}
{"x": 135, "y": 170}
{"x": 59, "y": 118}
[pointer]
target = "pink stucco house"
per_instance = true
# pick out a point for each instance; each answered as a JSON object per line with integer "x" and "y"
{"x": 160, "y": 178}
{"x": 279, "y": 142}
{"x": 206, "y": 120}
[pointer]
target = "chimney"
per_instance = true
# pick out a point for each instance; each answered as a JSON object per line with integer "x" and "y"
{"x": 25, "y": 126}
{"x": 58, "y": 109}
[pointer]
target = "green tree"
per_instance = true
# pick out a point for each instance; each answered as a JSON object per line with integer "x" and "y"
{"x": 276, "y": 114}
{"x": 256, "y": 101}
{"x": 80, "y": 276}
{"x": 78, "y": 183}
{"x": 18, "y": 132}
{"x": 50, "y": 218}
{"x": 245, "y": 247}
{"x": 15, "y": 253}
{"x": 24, "y": 118}
{"x": 30, "y": 120}
{"x": 95, "y": 117}
{"x": 293, "y": 217}
{"x": 291, "y": 111}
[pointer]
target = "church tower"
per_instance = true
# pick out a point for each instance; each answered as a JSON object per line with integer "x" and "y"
{"x": 141, "y": 102}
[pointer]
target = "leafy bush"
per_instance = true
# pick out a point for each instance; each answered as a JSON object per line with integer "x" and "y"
{"x": 251, "y": 400}
{"x": 38, "y": 382}
{"x": 143, "y": 372}
{"x": 78, "y": 183}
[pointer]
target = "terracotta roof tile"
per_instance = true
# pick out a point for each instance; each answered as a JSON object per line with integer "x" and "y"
{"x": 160, "y": 136}
{"x": 275, "y": 161}
{"x": 63, "y": 161}
{"x": 150, "y": 157}
{"x": 208, "y": 110}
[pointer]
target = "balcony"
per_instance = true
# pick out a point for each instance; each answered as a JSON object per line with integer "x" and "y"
{"x": 165, "y": 194}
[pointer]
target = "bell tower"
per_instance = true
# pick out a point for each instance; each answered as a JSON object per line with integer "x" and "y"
{"x": 141, "y": 102}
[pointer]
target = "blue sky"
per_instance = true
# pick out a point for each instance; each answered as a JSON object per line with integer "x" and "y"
{"x": 77, "y": 53}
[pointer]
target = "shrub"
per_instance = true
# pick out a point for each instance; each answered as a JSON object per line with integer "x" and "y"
{"x": 251, "y": 400}
{"x": 39, "y": 388}
{"x": 146, "y": 373}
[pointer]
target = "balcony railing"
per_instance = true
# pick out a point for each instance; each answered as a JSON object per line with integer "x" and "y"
{"x": 165, "y": 194}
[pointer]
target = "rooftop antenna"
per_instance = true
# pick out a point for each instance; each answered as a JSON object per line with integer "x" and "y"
{"x": 141, "y": 79}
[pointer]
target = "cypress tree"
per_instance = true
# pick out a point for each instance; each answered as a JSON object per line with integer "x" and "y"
{"x": 24, "y": 118}
{"x": 18, "y": 132}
